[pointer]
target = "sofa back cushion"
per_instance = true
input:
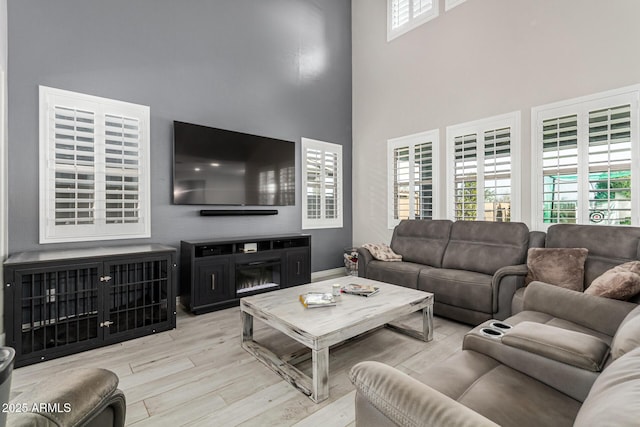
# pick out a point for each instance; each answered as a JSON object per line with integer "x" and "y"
{"x": 422, "y": 241}
{"x": 627, "y": 337}
{"x": 608, "y": 245}
{"x": 484, "y": 246}
{"x": 613, "y": 399}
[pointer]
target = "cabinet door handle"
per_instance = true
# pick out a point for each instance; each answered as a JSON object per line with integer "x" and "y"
{"x": 298, "y": 266}
{"x": 213, "y": 282}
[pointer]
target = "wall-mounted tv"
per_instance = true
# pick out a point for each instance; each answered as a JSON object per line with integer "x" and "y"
{"x": 221, "y": 167}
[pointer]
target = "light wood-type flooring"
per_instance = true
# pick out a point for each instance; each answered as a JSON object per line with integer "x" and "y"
{"x": 198, "y": 375}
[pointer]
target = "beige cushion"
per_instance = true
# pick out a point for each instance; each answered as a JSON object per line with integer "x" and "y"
{"x": 621, "y": 282}
{"x": 563, "y": 267}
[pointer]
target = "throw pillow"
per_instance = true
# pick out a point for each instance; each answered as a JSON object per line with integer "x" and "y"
{"x": 382, "y": 252}
{"x": 621, "y": 282}
{"x": 563, "y": 267}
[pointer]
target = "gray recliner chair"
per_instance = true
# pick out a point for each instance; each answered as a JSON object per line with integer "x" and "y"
{"x": 78, "y": 397}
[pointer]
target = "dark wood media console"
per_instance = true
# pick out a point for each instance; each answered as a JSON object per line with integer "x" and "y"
{"x": 215, "y": 274}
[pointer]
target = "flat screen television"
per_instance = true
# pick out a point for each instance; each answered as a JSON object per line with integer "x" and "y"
{"x": 222, "y": 167}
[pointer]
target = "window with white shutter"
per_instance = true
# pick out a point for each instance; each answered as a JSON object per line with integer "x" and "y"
{"x": 405, "y": 15}
{"x": 322, "y": 184}
{"x": 587, "y": 150}
{"x": 482, "y": 169}
{"x": 94, "y": 168}
{"x": 412, "y": 164}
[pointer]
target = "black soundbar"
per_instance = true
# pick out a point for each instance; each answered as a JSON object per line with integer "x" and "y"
{"x": 237, "y": 212}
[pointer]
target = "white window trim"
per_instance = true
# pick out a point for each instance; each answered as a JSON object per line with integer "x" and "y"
{"x": 308, "y": 223}
{"x": 3, "y": 168}
{"x": 580, "y": 105}
{"x": 413, "y": 22}
{"x": 511, "y": 120}
{"x": 450, "y": 4}
{"x": 80, "y": 233}
{"x": 411, "y": 141}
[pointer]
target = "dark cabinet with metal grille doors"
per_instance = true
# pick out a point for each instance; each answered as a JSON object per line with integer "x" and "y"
{"x": 62, "y": 302}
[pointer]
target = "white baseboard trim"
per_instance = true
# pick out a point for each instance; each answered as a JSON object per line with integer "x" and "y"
{"x": 316, "y": 276}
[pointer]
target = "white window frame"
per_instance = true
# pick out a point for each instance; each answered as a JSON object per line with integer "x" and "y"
{"x": 3, "y": 170}
{"x": 322, "y": 222}
{"x": 413, "y": 22}
{"x": 581, "y": 107}
{"x": 410, "y": 142}
{"x": 450, "y": 4}
{"x": 100, "y": 229}
{"x": 511, "y": 120}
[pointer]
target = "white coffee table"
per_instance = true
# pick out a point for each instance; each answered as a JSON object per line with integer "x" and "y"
{"x": 321, "y": 328}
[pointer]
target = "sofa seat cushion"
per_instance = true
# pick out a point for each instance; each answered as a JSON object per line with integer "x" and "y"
{"x": 539, "y": 317}
{"x": 505, "y": 396}
{"x": 459, "y": 288}
{"x": 397, "y": 273}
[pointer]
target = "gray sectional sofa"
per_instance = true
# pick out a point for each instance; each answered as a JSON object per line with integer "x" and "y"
{"x": 476, "y": 269}
{"x": 561, "y": 358}
{"x": 577, "y": 366}
{"x": 472, "y": 267}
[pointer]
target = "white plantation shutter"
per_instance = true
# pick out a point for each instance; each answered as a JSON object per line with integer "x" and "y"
{"x": 313, "y": 185}
{"x": 122, "y": 170}
{"x": 94, "y": 174}
{"x": 423, "y": 180}
{"x": 466, "y": 177}
{"x": 483, "y": 173}
{"x": 400, "y": 13}
{"x": 560, "y": 169}
{"x": 610, "y": 165}
{"x": 322, "y": 183}
{"x": 497, "y": 175}
{"x": 330, "y": 185}
{"x": 405, "y": 15}
{"x": 401, "y": 183}
{"x": 73, "y": 165}
{"x": 411, "y": 168}
{"x": 587, "y": 149}
{"x": 421, "y": 6}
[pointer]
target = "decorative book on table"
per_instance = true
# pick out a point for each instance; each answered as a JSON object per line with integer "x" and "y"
{"x": 362, "y": 290}
{"x": 317, "y": 299}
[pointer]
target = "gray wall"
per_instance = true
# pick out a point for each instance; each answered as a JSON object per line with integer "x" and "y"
{"x": 278, "y": 68}
{"x": 477, "y": 60}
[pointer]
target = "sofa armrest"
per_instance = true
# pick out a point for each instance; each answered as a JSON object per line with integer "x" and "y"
{"x": 570, "y": 347}
{"x": 364, "y": 258}
{"x": 78, "y": 396}
{"x": 568, "y": 379}
{"x": 406, "y": 401}
{"x": 517, "y": 273}
{"x": 600, "y": 314}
